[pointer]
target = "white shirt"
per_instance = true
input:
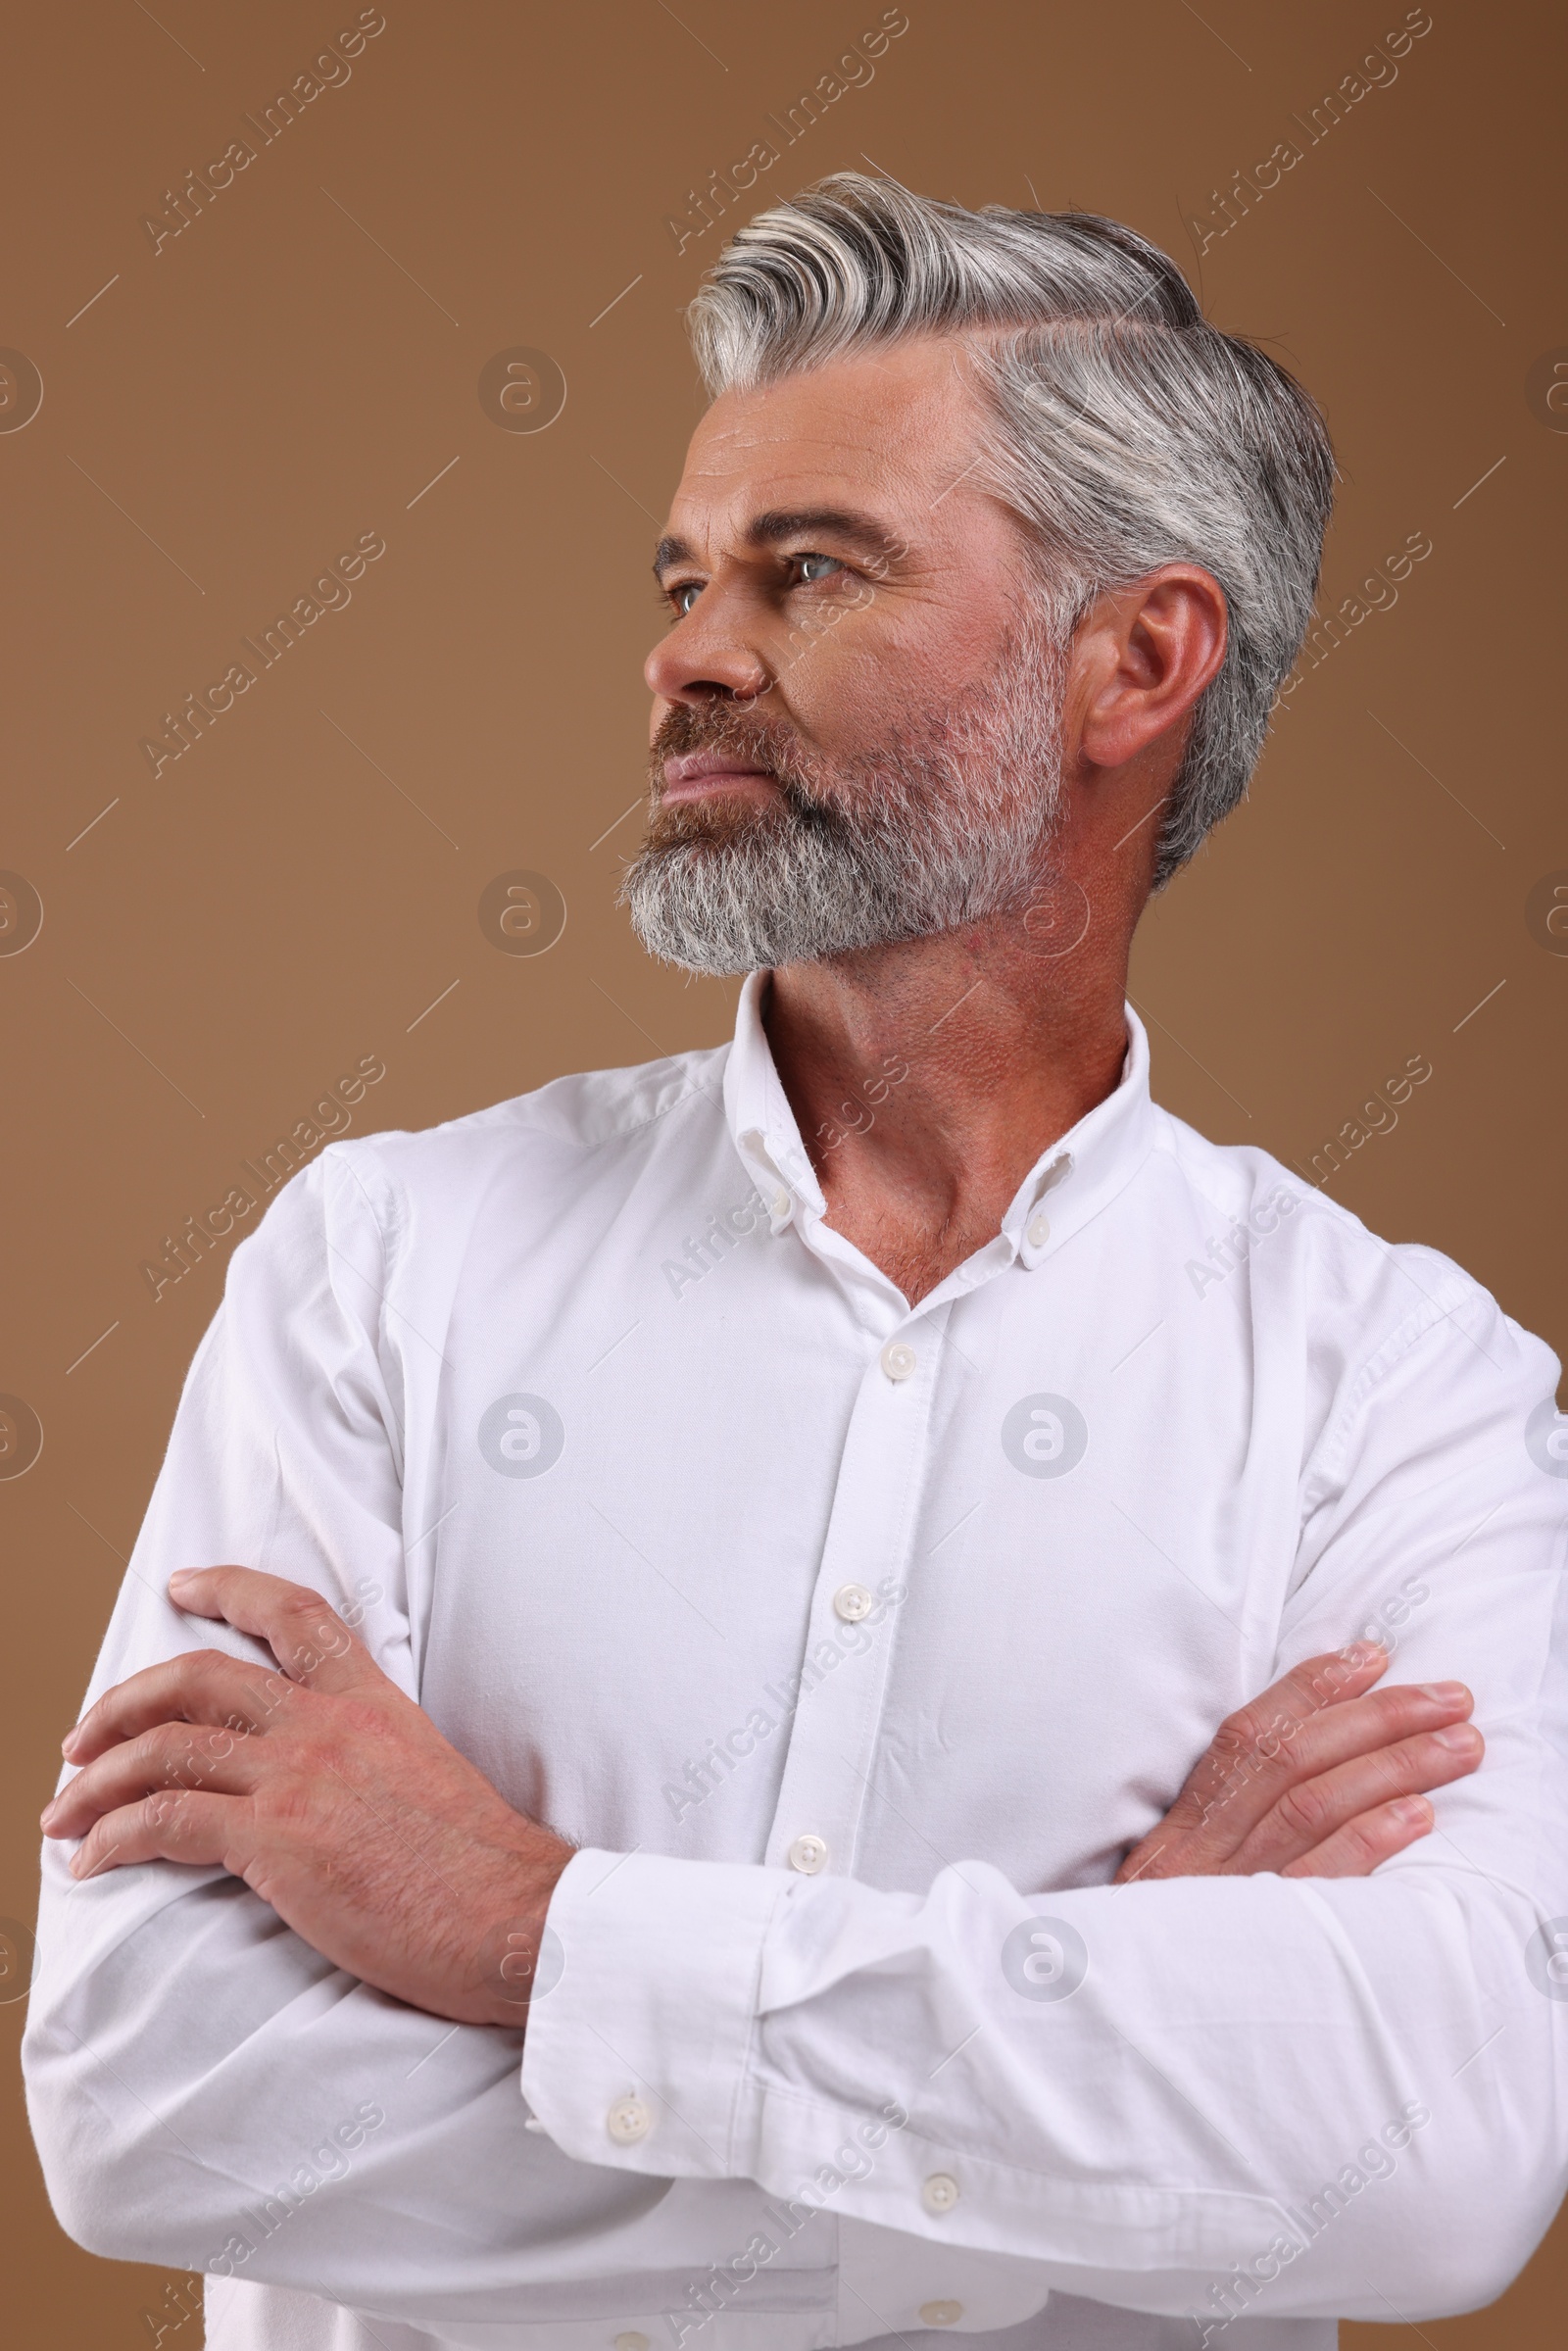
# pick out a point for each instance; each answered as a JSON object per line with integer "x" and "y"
{"x": 854, "y": 1643}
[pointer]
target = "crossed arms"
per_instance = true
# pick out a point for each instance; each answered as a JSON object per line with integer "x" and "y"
{"x": 338, "y": 1801}
{"x": 1245, "y": 2028}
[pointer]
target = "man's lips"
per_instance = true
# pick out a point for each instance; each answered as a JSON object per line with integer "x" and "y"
{"x": 696, "y": 774}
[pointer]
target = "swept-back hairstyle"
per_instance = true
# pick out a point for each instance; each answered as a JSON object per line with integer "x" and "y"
{"x": 1128, "y": 431}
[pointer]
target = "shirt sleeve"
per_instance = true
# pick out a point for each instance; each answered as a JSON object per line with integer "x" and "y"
{"x": 207, "y": 2092}
{"x": 1311, "y": 2098}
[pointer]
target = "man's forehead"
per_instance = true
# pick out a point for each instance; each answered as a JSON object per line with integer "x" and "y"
{"x": 882, "y": 433}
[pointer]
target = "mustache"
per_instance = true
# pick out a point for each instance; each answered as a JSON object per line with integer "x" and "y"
{"x": 686, "y": 729}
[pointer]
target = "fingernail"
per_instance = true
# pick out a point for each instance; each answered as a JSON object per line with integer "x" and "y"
{"x": 48, "y": 1812}
{"x": 1459, "y": 1739}
{"x": 1415, "y": 1811}
{"x": 1445, "y": 1693}
{"x": 69, "y": 1740}
{"x": 181, "y": 1574}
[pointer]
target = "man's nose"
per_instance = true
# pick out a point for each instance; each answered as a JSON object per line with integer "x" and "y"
{"x": 708, "y": 654}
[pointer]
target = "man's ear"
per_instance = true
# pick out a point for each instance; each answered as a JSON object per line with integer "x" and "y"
{"x": 1143, "y": 656}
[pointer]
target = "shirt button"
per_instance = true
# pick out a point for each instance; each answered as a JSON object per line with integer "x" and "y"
{"x": 631, "y": 2340}
{"x": 807, "y": 1855}
{"x": 630, "y": 2120}
{"x": 897, "y": 1359}
{"x": 940, "y": 2193}
{"x": 1039, "y": 1231}
{"x": 852, "y": 1601}
{"x": 941, "y": 2313}
{"x": 781, "y": 1204}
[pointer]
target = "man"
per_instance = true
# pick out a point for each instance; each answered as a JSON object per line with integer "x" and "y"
{"x": 694, "y": 1595}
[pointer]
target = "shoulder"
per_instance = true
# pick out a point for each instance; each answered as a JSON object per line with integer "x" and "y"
{"x": 405, "y": 1197}
{"x": 1360, "y": 1318}
{"x": 1248, "y": 1196}
{"x": 552, "y": 1134}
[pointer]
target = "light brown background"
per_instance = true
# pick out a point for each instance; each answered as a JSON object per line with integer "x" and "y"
{"x": 231, "y": 411}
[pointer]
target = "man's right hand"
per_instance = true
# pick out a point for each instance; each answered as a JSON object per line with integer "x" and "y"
{"x": 1321, "y": 1776}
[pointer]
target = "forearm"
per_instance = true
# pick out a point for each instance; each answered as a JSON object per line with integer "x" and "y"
{"x": 1231, "y": 2044}
{"x": 205, "y": 2092}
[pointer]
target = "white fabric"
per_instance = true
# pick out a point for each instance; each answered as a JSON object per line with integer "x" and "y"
{"x": 1339, "y": 2097}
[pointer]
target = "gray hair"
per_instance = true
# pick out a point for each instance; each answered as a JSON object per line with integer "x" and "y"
{"x": 1129, "y": 433}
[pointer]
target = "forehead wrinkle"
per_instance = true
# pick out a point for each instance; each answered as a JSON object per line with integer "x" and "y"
{"x": 710, "y": 492}
{"x": 760, "y": 455}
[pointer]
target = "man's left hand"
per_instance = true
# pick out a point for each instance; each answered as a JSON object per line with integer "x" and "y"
{"x": 334, "y": 1795}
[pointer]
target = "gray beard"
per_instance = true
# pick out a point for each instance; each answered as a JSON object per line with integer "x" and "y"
{"x": 947, "y": 823}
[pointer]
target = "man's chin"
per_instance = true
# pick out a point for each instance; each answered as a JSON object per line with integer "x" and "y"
{"x": 715, "y": 821}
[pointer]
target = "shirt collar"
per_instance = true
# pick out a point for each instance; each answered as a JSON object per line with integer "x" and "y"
{"x": 760, "y": 1122}
{"x": 1080, "y": 1172}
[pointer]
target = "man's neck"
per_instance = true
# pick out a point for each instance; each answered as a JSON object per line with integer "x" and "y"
{"x": 927, "y": 1078}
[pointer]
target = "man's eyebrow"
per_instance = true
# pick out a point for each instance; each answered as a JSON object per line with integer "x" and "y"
{"x": 833, "y": 521}
{"x": 670, "y": 550}
{"x": 777, "y": 523}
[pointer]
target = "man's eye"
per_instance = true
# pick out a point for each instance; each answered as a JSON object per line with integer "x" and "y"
{"x": 685, "y": 596}
{"x": 807, "y": 564}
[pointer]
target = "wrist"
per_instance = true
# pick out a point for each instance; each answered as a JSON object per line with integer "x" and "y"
{"x": 515, "y": 1957}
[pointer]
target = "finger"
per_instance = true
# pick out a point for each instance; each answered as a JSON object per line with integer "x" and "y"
{"x": 1307, "y": 1815}
{"x": 174, "y": 1825}
{"x": 306, "y": 1634}
{"x": 1307, "y": 1749}
{"x": 1154, "y": 1857}
{"x": 1381, "y": 1719}
{"x": 203, "y": 1685}
{"x": 1356, "y": 1849}
{"x": 1225, "y": 1775}
{"x": 173, "y": 1755}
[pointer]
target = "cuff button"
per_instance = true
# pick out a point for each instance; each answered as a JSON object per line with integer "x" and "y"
{"x": 630, "y": 2120}
{"x": 940, "y": 2193}
{"x": 941, "y": 2313}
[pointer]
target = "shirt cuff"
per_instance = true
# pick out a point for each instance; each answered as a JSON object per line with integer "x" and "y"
{"x": 641, "y": 2023}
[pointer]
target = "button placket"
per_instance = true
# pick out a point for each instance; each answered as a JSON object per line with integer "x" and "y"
{"x": 865, "y": 1560}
